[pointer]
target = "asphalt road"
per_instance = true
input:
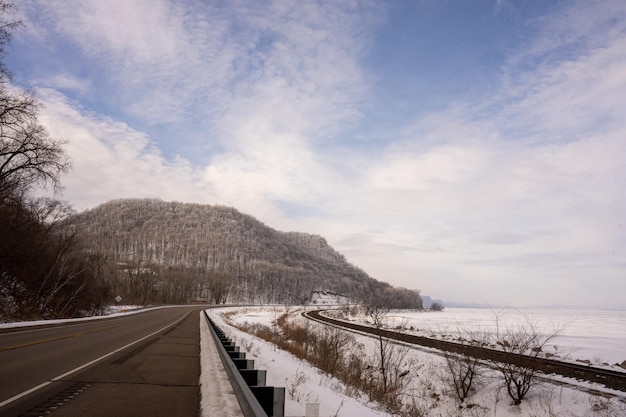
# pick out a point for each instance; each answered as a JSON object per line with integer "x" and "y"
{"x": 130, "y": 365}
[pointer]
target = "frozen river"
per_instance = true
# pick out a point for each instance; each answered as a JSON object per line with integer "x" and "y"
{"x": 595, "y": 335}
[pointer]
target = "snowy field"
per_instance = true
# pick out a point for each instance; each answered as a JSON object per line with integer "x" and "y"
{"x": 428, "y": 389}
{"x": 303, "y": 383}
{"x": 598, "y": 336}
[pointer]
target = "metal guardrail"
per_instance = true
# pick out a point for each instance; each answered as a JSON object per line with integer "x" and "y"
{"x": 255, "y": 399}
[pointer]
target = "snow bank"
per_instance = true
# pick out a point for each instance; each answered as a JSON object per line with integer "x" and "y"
{"x": 216, "y": 393}
{"x": 303, "y": 383}
{"x": 113, "y": 311}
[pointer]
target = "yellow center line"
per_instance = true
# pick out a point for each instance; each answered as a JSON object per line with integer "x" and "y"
{"x": 37, "y": 342}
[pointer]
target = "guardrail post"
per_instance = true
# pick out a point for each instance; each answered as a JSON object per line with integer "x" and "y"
{"x": 272, "y": 399}
{"x": 237, "y": 355}
{"x": 243, "y": 363}
{"x": 254, "y": 377}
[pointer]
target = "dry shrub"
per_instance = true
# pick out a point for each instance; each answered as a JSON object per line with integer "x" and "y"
{"x": 527, "y": 339}
{"x": 383, "y": 375}
{"x": 329, "y": 349}
{"x": 462, "y": 371}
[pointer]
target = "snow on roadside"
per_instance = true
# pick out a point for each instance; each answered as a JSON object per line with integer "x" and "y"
{"x": 305, "y": 383}
{"x": 217, "y": 397}
{"x": 121, "y": 311}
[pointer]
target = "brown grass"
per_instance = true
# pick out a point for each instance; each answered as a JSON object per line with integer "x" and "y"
{"x": 335, "y": 352}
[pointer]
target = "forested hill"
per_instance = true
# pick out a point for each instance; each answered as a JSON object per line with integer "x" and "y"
{"x": 218, "y": 254}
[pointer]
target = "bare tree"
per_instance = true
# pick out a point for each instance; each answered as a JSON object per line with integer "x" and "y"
{"x": 330, "y": 348}
{"x": 391, "y": 374}
{"x": 463, "y": 371}
{"x": 43, "y": 270}
{"x": 218, "y": 285}
{"x": 142, "y": 279}
{"x": 28, "y": 155}
{"x": 7, "y": 26}
{"x": 526, "y": 339}
{"x": 376, "y": 301}
{"x": 390, "y": 383}
{"x": 436, "y": 307}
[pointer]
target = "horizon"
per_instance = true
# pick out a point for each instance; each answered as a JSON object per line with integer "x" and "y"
{"x": 471, "y": 151}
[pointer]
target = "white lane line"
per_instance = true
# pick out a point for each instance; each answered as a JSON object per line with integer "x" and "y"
{"x": 57, "y": 378}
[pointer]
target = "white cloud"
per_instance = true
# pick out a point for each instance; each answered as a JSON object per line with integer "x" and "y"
{"x": 572, "y": 98}
{"x": 162, "y": 57}
{"x": 518, "y": 193}
{"x": 172, "y": 62}
{"x": 518, "y": 222}
{"x": 111, "y": 160}
{"x": 285, "y": 76}
{"x": 518, "y": 198}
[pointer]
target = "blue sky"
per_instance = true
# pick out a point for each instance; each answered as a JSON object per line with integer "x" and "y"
{"x": 475, "y": 150}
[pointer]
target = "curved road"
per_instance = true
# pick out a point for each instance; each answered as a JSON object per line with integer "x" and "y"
{"x": 62, "y": 360}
